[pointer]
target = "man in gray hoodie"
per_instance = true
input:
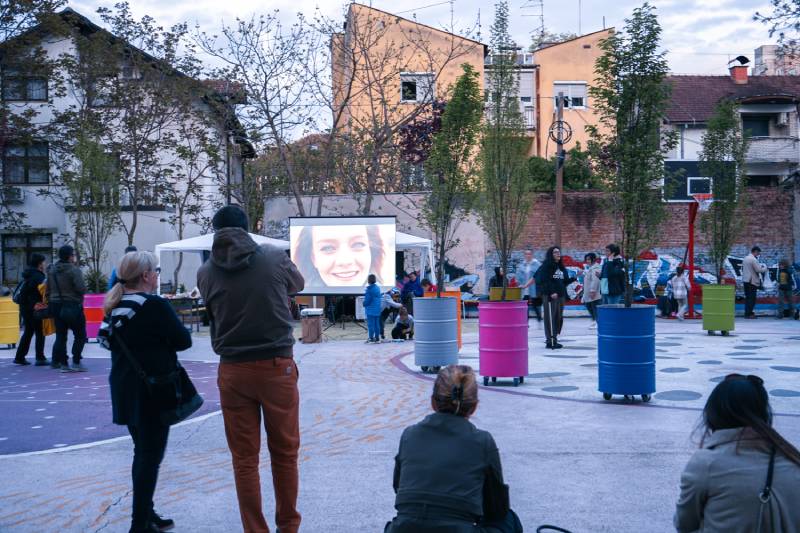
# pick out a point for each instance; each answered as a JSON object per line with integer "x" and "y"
{"x": 64, "y": 291}
{"x": 246, "y": 288}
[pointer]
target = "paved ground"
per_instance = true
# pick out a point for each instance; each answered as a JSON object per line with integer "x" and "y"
{"x": 570, "y": 458}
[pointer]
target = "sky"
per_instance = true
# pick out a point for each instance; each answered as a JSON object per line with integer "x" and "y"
{"x": 701, "y": 36}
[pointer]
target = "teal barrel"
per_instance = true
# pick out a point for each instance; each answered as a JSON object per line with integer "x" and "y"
{"x": 626, "y": 349}
{"x": 435, "y": 331}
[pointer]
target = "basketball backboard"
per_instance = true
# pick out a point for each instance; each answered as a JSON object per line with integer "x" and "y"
{"x": 682, "y": 179}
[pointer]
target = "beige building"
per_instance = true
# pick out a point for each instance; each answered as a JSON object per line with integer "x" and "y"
{"x": 770, "y": 60}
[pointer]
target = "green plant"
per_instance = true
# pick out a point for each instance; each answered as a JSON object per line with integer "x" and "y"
{"x": 96, "y": 281}
{"x": 451, "y": 165}
{"x": 630, "y": 97}
{"x": 723, "y": 160}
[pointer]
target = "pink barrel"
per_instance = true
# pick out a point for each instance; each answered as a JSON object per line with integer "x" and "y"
{"x": 503, "y": 340}
{"x": 93, "y": 310}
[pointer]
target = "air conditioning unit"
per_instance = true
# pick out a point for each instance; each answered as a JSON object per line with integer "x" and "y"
{"x": 13, "y": 195}
{"x": 783, "y": 119}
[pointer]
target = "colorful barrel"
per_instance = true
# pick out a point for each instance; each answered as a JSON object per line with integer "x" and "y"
{"x": 435, "y": 331}
{"x": 626, "y": 349}
{"x": 503, "y": 339}
{"x": 9, "y": 321}
{"x": 719, "y": 304}
{"x": 93, "y": 310}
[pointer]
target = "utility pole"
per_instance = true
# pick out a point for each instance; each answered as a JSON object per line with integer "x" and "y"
{"x": 559, "y": 165}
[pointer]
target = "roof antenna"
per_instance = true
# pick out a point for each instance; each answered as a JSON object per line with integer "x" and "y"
{"x": 479, "y": 24}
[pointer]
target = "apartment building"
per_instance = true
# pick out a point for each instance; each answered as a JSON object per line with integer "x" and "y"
{"x": 32, "y": 168}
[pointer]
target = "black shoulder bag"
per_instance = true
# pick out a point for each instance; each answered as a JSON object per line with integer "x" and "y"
{"x": 174, "y": 393}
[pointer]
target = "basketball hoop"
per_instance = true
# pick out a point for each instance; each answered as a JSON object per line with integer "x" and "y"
{"x": 704, "y": 200}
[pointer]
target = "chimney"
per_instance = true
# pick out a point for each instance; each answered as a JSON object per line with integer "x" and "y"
{"x": 738, "y": 74}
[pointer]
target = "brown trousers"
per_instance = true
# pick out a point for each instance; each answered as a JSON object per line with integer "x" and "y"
{"x": 246, "y": 390}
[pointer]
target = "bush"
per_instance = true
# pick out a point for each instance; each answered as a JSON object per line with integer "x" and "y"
{"x": 96, "y": 281}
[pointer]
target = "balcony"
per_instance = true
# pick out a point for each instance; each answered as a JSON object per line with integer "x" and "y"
{"x": 530, "y": 117}
{"x": 774, "y": 150}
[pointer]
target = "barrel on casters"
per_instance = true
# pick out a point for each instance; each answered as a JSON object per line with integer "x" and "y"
{"x": 626, "y": 350}
{"x": 503, "y": 341}
{"x": 435, "y": 333}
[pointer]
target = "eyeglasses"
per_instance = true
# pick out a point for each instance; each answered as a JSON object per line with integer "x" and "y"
{"x": 157, "y": 270}
{"x": 750, "y": 377}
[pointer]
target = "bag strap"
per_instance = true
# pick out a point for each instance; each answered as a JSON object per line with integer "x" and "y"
{"x": 127, "y": 352}
{"x": 58, "y": 287}
{"x": 766, "y": 493}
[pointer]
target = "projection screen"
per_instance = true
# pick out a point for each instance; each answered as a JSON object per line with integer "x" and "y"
{"x": 336, "y": 254}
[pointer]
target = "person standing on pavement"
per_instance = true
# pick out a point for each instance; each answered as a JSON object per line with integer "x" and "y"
{"x": 147, "y": 325}
{"x": 29, "y": 296}
{"x": 246, "y": 288}
{"x": 591, "y": 286}
{"x": 680, "y": 290}
{"x": 447, "y": 473}
{"x": 746, "y": 476}
{"x": 112, "y": 279}
{"x": 553, "y": 280}
{"x": 65, "y": 289}
{"x": 785, "y": 289}
{"x": 612, "y": 276}
{"x": 372, "y": 308}
{"x": 751, "y": 278}
{"x": 526, "y": 273}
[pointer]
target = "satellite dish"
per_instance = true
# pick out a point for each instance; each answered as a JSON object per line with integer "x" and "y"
{"x": 741, "y": 59}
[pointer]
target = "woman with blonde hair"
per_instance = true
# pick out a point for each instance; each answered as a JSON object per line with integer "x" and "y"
{"x": 447, "y": 472}
{"x": 143, "y": 326}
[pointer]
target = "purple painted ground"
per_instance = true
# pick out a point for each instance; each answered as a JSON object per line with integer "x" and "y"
{"x": 43, "y": 408}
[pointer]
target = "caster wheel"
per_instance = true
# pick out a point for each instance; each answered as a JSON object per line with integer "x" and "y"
{"x": 726, "y": 333}
{"x": 485, "y": 381}
{"x": 516, "y": 382}
{"x": 522, "y": 379}
{"x": 627, "y": 398}
{"x": 424, "y": 369}
{"x": 710, "y": 332}
{"x": 435, "y": 369}
{"x": 494, "y": 380}
{"x": 645, "y": 398}
{"x": 606, "y": 396}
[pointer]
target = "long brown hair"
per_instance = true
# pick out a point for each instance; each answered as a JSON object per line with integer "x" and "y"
{"x": 303, "y": 256}
{"x": 455, "y": 390}
{"x": 129, "y": 272}
{"x": 742, "y": 402}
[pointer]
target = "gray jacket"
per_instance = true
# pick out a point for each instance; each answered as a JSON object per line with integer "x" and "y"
{"x": 721, "y": 483}
{"x": 752, "y": 270}
{"x": 65, "y": 283}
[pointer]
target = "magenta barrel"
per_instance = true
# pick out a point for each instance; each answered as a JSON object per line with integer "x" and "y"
{"x": 93, "y": 311}
{"x": 503, "y": 340}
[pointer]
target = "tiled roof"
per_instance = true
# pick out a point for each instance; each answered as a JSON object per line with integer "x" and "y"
{"x": 694, "y": 97}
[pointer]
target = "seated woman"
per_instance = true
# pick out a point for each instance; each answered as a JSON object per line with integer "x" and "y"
{"x": 447, "y": 473}
{"x": 746, "y": 477}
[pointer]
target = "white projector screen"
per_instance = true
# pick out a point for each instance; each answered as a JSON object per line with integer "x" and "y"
{"x": 336, "y": 254}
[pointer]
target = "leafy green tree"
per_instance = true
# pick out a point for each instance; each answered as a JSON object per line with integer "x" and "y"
{"x": 452, "y": 165}
{"x": 505, "y": 198}
{"x": 630, "y": 97}
{"x": 578, "y": 172}
{"x": 723, "y": 159}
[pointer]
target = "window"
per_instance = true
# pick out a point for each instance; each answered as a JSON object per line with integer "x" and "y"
{"x": 416, "y": 87}
{"x": 18, "y": 86}
{"x": 26, "y": 164}
{"x": 526, "y": 99}
{"x": 17, "y": 250}
{"x": 574, "y": 93}
{"x": 756, "y": 125}
{"x": 100, "y": 92}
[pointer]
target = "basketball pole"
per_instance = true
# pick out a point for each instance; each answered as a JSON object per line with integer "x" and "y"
{"x": 690, "y": 296}
{"x": 559, "y": 167}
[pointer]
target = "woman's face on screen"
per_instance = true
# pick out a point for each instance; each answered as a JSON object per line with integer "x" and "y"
{"x": 341, "y": 254}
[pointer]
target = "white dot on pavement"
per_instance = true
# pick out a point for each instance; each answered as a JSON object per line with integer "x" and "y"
{"x": 90, "y": 428}
{"x": 58, "y": 445}
{"x": 69, "y": 393}
{"x": 29, "y": 397}
{"x": 36, "y": 427}
{"x": 49, "y": 417}
{"x": 3, "y": 438}
{"x": 39, "y": 410}
{"x": 52, "y": 403}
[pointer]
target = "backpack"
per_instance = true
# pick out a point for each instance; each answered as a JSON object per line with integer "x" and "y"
{"x": 19, "y": 292}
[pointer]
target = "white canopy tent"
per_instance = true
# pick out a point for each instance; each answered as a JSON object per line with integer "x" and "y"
{"x": 203, "y": 243}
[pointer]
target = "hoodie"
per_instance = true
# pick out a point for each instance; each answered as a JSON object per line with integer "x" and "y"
{"x": 32, "y": 278}
{"x": 65, "y": 283}
{"x": 246, "y": 289}
{"x": 372, "y": 300}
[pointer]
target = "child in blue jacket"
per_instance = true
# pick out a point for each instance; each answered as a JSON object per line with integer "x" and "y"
{"x": 372, "y": 307}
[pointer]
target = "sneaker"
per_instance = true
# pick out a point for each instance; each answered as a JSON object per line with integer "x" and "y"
{"x": 150, "y": 528}
{"x": 66, "y": 369}
{"x": 557, "y": 346}
{"x": 163, "y": 524}
{"x": 593, "y": 325}
{"x": 79, "y": 367}
{"x": 751, "y": 317}
{"x": 55, "y": 366}
{"x": 21, "y": 362}
{"x": 41, "y": 362}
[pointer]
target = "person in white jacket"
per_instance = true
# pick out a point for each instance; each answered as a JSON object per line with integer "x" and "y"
{"x": 680, "y": 290}
{"x": 591, "y": 286}
{"x": 751, "y": 278}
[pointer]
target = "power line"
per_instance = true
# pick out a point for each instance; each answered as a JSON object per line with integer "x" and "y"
{"x": 422, "y": 7}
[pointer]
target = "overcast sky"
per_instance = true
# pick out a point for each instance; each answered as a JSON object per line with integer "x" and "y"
{"x": 700, "y": 35}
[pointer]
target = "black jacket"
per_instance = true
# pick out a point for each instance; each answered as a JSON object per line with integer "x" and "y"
{"x": 153, "y": 334}
{"x": 65, "y": 283}
{"x": 447, "y": 463}
{"x": 553, "y": 278}
{"x": 614, "y": 271}
{"x": 29, "y": 294}
{"x": 246, "y": 288}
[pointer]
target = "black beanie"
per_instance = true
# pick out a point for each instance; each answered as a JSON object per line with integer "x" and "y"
{"x": 230, "y": 216}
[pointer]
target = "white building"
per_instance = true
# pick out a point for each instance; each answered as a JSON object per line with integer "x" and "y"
{"x": 29, "y": 170}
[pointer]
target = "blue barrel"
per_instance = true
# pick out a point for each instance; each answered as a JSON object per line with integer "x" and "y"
{"x": 626, "y": 349}
{"x": 435, "y": 331}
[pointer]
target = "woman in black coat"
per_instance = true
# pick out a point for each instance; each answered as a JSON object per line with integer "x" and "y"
{"x": 553, "y": 280}
{"x": 447, "y": 472}
{"x": 29, "y": 296}
{"x": 153, "y": 333}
